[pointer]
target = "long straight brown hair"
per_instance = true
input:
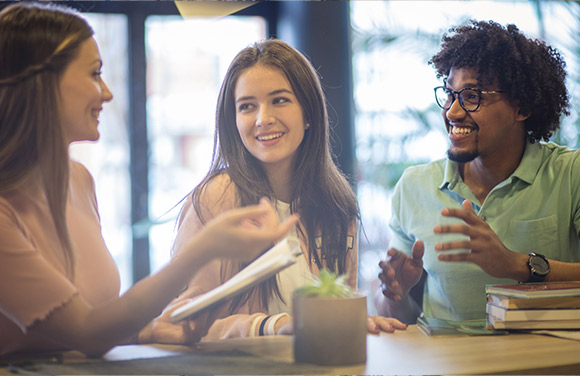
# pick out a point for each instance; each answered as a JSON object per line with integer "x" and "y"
{"x": 37, "y": 42}
{"x": 321, "y": 194}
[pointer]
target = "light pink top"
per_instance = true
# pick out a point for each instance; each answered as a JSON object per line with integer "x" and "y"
{"x": 219, "y": 197}
{"x": 33, "y": 281}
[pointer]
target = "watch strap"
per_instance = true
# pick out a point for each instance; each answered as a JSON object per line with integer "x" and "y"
{"x": 534, "y": 275}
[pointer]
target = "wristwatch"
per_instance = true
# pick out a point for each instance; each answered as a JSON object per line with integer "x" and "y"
{"x": 539, "y": 267}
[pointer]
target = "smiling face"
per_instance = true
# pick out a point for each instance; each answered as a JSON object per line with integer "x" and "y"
{"x": 492, "y": 130}
{"x": 83, "y": 92}
{"x": 269, "y": 118}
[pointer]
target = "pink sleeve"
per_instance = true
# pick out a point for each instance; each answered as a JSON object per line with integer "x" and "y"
{"x": 30, "y": 287}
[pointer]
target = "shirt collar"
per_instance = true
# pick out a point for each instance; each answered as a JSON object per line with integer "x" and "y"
{"x": 526, "y": 170}
{"x": 530, "y": 164}
{"x": 451, "y": 175}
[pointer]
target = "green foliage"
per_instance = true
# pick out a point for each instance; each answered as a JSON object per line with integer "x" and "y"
{"x": 327, "y": 285}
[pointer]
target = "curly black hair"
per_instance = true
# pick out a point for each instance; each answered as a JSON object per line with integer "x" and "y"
{"x": 532, "y": 73}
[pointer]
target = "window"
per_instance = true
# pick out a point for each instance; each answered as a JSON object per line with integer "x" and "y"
{"x": 184, "y": 74}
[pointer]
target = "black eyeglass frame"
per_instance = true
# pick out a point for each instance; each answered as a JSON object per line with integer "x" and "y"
{"x": 456, "y": 94}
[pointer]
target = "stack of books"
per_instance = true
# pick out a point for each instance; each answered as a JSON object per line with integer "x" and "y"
{"x": 547, "y": 305}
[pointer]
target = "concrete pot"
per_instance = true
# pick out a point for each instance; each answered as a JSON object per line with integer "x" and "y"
{"x": 330, "y": 331}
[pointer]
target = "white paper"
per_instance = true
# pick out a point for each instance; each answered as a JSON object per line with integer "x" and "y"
{"x": 276, "y": 259}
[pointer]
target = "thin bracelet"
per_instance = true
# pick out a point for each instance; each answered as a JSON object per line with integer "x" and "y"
{"x": 254, "y": 324}
{"x": 271, "y": 328}
{"x": 261, "y": 331}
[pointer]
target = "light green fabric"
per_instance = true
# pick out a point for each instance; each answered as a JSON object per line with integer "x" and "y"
{"x": 535, "y": 209}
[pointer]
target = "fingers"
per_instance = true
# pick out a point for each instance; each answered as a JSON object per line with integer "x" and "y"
{"x": 393, "y": 255}
{"x": 372, "y": 327}
{"x": 288, "y": 224}
{"x": 274, "y": 232}
{"x": 459, "y": 228}
{"x": 418, "y": 252}
{"x": 456, "y": 257}
{"x": 261, "y": 220}
{"x": 390, "y": 286}
{"x": 458, "y": 244}
{"x": 466, "y": 204}
{"x": 392, "y": 290}
{"x": 467, "y": 213}
{"x": 376, "y": 324}
{"x": 195, "y": 330}
{"x": 172, "y": 307}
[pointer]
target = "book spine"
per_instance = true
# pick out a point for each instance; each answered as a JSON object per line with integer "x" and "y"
{"x": 532, "y": 314}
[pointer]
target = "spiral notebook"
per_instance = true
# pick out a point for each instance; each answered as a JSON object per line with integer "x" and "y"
{"x": 273, "y": 261}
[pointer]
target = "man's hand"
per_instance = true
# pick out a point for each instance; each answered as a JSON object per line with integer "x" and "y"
{"x": 401, "y": 272}
{"x": 486, "y": 249}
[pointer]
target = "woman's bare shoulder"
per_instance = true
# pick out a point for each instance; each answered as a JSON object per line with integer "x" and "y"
{"x": 218, "y": 195}
{"x": 215, "y": 197}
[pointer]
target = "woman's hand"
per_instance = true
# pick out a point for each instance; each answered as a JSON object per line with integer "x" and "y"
{"x": 284, "y": 325}
{"x": 243, "y": 233}
{"x": 376, "y": 324}
{"x": 162, "y": 330}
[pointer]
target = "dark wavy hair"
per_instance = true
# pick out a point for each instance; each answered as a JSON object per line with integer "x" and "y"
{"x": 321, "y": 194}
{"x": 532, "y": 73}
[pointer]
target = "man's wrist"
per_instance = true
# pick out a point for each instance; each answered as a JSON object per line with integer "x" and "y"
{"x": 538, "y": 266}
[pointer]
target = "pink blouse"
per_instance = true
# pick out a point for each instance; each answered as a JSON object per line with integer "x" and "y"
{"x": 33, "y": 281}
{"x": 219, "y": 197}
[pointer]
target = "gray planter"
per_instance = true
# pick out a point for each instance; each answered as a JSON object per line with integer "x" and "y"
{"x": 330, "y": 331}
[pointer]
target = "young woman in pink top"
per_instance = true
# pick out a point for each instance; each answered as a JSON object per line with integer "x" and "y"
{"x": 59, "y": 286}
{"x": 272, "y": 139}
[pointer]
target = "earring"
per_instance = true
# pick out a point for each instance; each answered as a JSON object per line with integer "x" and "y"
{"x": 307, "y": 125}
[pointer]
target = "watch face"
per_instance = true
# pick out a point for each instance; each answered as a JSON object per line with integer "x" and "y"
{"x": 539, "y": 265}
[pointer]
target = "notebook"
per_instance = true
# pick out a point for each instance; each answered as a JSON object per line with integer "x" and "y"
{"x": 273, "y": 261}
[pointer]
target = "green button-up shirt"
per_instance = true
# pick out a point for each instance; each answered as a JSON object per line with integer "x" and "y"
{"x": 536, "y": 209}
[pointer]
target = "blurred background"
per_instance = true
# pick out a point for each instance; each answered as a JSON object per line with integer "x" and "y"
{"x": 165, "y": 70}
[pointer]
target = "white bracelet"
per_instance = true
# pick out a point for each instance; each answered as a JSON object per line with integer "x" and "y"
{"x": 254, "y": 325}
{"x": 271, "y": 326}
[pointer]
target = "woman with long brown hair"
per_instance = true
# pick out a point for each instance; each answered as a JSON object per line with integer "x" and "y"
{"x": 272, "y": 140}
{"x": 59, "y": 286}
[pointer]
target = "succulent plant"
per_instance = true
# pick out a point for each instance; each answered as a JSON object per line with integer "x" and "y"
{"x": 326, "y": 285}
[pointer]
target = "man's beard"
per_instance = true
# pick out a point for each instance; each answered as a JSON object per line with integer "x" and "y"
{"x": 465, "y": 156}
{"x": 462, "y": 157}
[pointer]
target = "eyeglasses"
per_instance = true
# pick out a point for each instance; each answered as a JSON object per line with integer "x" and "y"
{"x": 469, "y": 98}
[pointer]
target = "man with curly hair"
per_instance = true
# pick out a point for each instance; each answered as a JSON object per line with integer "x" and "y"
{"x": 505, "y": 205}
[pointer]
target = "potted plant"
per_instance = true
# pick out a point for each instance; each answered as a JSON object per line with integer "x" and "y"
{"x": 329, "y": 321}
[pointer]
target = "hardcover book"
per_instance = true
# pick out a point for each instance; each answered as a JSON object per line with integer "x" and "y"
{"x": 509, "y": 302}
{"x": 494, "y": 323}
{"x": 532, "y": 314}
{"x": 536, "y": 290}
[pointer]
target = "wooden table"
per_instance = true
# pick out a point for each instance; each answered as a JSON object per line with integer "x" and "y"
{"x": 407, "y": 352}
